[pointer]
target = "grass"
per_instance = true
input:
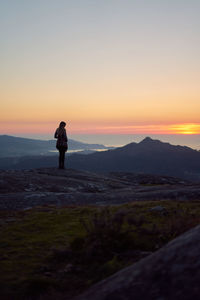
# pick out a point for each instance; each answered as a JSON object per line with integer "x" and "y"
{"x": 53, "y": 250}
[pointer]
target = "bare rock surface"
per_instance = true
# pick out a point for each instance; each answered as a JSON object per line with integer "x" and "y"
{"x": 171, "y": 273}
{"x": 23, "y": 189}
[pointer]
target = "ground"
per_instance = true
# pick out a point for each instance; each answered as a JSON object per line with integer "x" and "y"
{"x": 28, "y": 188}
{"x": 54, "y": 246}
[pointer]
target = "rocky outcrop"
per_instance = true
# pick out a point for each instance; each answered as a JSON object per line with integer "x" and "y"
{"x": 171, "y": 273}
{"x": 22, "y": 189}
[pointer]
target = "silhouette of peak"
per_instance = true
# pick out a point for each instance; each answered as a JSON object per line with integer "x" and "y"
{"x": 148, "y": 140}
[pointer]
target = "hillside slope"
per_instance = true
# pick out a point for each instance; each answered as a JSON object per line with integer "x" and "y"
{"x": 17, "y": 146}
{"x": 70, "y": 229}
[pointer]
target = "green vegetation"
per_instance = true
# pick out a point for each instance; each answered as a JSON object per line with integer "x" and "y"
{"x": 53, "y": 250}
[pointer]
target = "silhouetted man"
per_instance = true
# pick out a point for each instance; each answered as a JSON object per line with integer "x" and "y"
{"x": 61, "y": 144}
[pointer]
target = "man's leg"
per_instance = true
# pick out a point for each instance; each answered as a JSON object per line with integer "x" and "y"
{"x": 60, "y": 159}
{"x": 63, "y": 158}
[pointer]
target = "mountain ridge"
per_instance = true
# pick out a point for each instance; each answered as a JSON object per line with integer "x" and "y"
{"x": 148, "y": 156}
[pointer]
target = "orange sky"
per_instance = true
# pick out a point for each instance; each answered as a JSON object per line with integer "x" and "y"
{"x": 110, "y": 67}
{"x": 77, "y": 128}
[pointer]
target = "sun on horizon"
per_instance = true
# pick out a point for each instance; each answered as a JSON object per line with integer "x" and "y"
{"x": 186, "y": 128}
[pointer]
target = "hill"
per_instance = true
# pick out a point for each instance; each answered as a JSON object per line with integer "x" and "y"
{"x": 17, "y": 146}
{"x": 148, "y": 156}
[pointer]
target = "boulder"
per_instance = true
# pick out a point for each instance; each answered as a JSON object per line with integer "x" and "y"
{"x": 159, "y": 209}
{"x": 173, "y": 272}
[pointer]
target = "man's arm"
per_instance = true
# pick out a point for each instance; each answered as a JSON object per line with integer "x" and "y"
{"x": 56, "y": 134}
{"x": 66, "y": 139}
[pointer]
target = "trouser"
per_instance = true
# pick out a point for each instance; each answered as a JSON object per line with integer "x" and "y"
{"x": 62, "y": 151}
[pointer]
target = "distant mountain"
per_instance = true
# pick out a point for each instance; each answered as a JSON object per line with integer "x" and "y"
{"x": 17, "y": 146}
{"x": 148, "y": 156}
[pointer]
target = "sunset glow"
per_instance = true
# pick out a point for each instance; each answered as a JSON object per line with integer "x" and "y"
{"x": 92, "y": 128}
{"x": 186, "y": 128}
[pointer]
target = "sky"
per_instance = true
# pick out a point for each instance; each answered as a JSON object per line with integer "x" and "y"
{"x": 103, "y": 66}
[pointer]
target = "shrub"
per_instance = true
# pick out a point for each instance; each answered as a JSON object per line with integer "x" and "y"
{"x": 106, "y": 233}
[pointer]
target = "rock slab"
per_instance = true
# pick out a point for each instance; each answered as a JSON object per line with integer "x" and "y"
{"x": 23, "y": 189}
{"x": 173, "y": 272}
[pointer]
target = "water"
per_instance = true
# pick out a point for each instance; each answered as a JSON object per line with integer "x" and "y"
{"x": 117, "y": 140}
{"x": 80, "y": 150}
